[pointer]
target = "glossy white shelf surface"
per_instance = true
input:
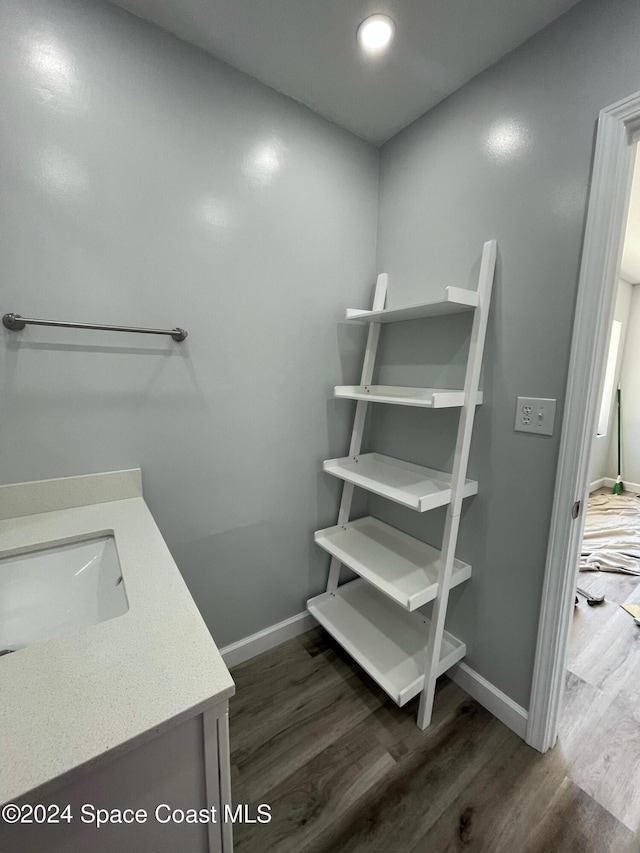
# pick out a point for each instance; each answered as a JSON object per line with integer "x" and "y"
{"x": 403, "y": 482}
{"x": 399, "y": 395}
{"x": 401, "y": 567}
{"x": 387, "y": 642}
{"x": 454, "y": 301}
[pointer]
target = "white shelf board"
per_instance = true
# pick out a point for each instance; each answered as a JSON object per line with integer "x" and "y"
{"x": 403, "y": 482}
{"x": 399, "y": 395}
{"x": 401, "y": 567}
{"x": 387, "y": 642}
{"x": 454, "y": 301}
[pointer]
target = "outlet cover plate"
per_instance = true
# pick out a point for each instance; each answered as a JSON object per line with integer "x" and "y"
{"x": 535, "y": 414}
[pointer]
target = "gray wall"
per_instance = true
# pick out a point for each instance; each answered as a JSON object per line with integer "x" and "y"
{"x": 508, "y": 156}
{"x": 143, "y": 182}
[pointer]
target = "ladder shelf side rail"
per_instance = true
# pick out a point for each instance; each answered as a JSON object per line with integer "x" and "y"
{"x": 458, "y": 477}
{"x": 373, "y": 338}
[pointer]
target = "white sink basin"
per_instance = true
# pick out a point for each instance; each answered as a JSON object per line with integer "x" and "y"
{"x": 47, "y": 593}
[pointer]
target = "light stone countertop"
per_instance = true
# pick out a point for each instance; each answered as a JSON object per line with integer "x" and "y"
{"x": 70, "y": 702}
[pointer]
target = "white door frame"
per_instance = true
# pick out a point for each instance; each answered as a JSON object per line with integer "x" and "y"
{"x": 599, "y": 271}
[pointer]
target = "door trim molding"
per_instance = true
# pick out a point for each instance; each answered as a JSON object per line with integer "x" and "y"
{"x": 599, "y": 272}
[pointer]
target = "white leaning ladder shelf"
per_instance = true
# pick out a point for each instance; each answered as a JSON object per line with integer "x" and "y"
{"x": 377, "y": 617}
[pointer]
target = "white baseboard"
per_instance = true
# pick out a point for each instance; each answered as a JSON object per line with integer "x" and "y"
{"x": 267, "y": 639}
{"x": 628, "y": 487}
{"x": 598, "y": 484}
{"x": 501, "y": 706}
{"x": 494, "y": 700}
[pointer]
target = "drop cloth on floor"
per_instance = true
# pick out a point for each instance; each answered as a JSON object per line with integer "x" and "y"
{"x": 611, "y": 540}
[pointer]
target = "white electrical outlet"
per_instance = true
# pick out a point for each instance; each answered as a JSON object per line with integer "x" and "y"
{"x": 535, "y": 414}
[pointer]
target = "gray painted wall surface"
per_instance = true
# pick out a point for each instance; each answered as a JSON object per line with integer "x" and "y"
{"x": 145, "y": 183}
{"x": 508, "y": 156}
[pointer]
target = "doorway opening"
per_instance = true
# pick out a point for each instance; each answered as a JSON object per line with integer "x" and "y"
{"x": 602, "y": 687}
{"x": 600, "y": 269}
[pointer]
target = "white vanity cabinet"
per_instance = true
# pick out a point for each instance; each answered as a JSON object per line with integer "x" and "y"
{"x": 128, "y": 714}
{"x": 155, "y": 787}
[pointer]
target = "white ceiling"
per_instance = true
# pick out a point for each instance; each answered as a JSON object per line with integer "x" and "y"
{"x": 307, "y": 49}
{"x": 631, "y": 252}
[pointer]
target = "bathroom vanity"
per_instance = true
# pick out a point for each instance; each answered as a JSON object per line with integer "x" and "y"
{"x": 114, "y": 695}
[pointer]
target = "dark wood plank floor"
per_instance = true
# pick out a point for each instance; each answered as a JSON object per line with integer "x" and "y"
{"x": 346, "y": 771}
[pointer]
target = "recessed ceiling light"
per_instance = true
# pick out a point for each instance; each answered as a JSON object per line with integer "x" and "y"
{"x": 375, "y": 33}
